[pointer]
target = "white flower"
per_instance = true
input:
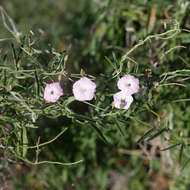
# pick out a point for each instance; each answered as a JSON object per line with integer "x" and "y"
{"x": 52, "y": 92}
{"x": 84, "y": 89}
{"x": 122, "y": 100}
{"x": 129, "y": 83}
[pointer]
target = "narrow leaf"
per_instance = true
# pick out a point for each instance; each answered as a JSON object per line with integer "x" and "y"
{"x": 170, "y": 147}
{"x": 146, "y": 135}
{"x": 157, "y": 134}
{"x": 186, "y": 163}
{"x": 100, "y": 133}
{"x": 14, "y": 56}
{"x": 37, "y": 83}
{"x": 119, "y": 127}
{"x": 24, "y": 141}
{"x": 83, "y": 117}
{"x": 181, "y": 152}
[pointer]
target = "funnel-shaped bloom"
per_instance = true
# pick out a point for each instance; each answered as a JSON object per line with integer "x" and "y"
{"x": 84, "y": 89}
{"x": 52, "y": 92}
{"x": 122, "y": 100}
{"x": 129, "y": 84}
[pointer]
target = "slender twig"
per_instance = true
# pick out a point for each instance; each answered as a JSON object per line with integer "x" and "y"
{"x": 48, "y": 142}
{"x": 171, "y": 49}
{"x": 172, "y": 84}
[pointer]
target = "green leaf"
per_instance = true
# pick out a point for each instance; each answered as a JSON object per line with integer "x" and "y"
{"x": 157, "y": 134}
{"x": 119, "y": 127}
{"x": 100, "y": 133}
{"x": 181, "y": 152}
{"x": 170, "y": 147}
{"x": 24, "y": 141}
{"x": 14, "y": 56}
{"x": 37, "y": 84}
{"x": 186, "y": 163}
{"x": 82, "y": 117}
{"x": 146, "y": 135}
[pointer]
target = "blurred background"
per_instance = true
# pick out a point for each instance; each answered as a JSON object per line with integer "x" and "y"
{"x": 92, "y": 30}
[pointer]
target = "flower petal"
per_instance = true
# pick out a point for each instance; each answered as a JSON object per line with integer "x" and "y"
{"x": 122, "y": 100}
{"x": 84, "y": 89}
{"x": 129, "y": 83}
{"x": 52, "y": 92}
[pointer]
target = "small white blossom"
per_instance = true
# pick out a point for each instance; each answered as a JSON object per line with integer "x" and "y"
{"x": 84, "y": 89}
{"x": 122, "y": 100}
{"x": 52, "y": 92}
{"x": 129, "y": 83}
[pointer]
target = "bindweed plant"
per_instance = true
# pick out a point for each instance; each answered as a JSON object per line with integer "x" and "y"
{"x": 36, "y": 85}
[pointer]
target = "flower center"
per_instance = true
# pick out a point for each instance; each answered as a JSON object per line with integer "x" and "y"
{"x": 83, "y": 89}
{"x": 52, "y": 92}
{"x": 128, "y": 84}
{"x": 123, "y": 103}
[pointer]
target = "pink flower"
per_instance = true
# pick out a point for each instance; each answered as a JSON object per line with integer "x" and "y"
{"x": 128, "y": 83}
{"x": 84, "y": 89}
{"x": 122, "y": 100}
{"x": 52, "y": 92}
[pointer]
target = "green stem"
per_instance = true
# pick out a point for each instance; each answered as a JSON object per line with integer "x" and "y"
{"x": 48, "y": 142}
